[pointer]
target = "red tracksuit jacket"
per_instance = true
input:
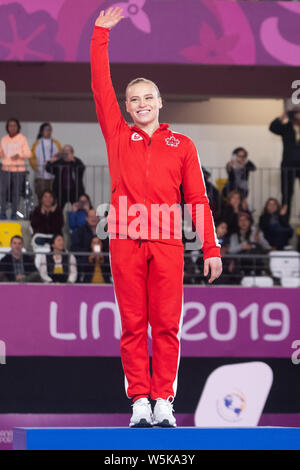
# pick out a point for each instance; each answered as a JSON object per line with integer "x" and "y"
{"x": 147, "y": 170}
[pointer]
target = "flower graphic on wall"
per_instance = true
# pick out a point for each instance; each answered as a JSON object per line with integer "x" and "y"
{"x": 26, "y": 36}
{"x": 133, "y": 10}
{"x": 212, "y": 49}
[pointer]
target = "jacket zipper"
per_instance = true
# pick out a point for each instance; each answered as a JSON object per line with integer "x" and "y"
{"x": 147, "y": 173}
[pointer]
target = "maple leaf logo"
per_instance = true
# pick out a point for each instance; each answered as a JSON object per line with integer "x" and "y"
{"x": 172, "y": 141}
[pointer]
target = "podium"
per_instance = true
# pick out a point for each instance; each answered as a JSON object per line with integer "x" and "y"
{"x": 181, "y": 438}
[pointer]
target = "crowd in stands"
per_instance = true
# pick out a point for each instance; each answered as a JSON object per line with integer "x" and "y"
{"x": 63, "y": 205}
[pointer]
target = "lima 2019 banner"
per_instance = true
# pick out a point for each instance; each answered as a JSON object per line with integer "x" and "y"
{"x": 156, "y": 31}
{"x": 84, "y": 321}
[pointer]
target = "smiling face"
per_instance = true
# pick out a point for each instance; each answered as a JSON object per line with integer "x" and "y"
{"x": 143, "y": 103}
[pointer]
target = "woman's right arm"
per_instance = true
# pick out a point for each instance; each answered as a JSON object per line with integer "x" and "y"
{"x": 107, "y": 107}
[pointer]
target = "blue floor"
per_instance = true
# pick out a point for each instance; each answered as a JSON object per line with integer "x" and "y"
{"x": 184, "y": 438}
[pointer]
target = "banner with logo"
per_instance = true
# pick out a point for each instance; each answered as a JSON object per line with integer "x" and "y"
{"x": 83, "y": 320}
{"x": 210, "y": 32}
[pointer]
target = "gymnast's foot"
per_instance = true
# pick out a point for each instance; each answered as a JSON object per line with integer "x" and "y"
{"x": 141, "y": 414}
{"x": 163, "y": 414}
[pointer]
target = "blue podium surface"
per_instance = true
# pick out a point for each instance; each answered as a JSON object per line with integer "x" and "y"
{"x": 182, "y": 438}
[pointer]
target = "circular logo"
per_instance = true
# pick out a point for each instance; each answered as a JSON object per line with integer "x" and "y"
{"x": 231, "y": 407}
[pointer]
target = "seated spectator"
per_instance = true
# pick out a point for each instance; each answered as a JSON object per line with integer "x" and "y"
{"x": 68, "y": 173}
{"x": 238, "y": 169}
{"x": 77, "y": 216}
{"x": 81, "y": 240}
{"x": 17, "y": 266}
{"x": 222, "y": 236}
{"x": 94, "y": 270}
{"x": 231, "y": 209}
{"x": 47, "y": 217}
{"x": 43, "y": 150}
{"x": 274, "y": 224}
{"x": 193, "y": 267}
{"x": 248, "y": 240}
{"x": 58, "y": 266}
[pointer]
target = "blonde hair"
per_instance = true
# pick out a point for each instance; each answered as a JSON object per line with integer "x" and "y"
{"x": 141, "y": 80}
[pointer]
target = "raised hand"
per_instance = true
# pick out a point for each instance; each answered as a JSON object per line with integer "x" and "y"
{"x": 110, "y": 18}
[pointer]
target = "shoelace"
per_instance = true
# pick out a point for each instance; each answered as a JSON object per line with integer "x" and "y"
{"x": 167, "y": 403}
{"x": 140, "y": 404}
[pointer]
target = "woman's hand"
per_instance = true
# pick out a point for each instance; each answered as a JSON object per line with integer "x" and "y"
{"x": 111, "y": 18}
{"x": 284, "y": 209}
{"x": 214, "y": 265}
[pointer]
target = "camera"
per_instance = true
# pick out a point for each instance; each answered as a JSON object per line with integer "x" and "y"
{"x": 97, "y": 249}
{"x": 61, "y": 155}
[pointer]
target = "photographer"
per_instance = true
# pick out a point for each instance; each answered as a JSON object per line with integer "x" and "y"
{"x": 68, "y": 173}
{"x": 77, "y": 216}
{"x": 288, "y": 127}
{"x": 95, "y": 267}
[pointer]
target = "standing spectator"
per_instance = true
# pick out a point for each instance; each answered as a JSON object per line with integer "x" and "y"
{"x": 77, "y": 216}
{"x": 288, "y": 127}
{"x": 47, "y": 217}
{"x": 43, "y": 150}
{"x": 58, "y": 266}
{"x": 14, "y": 152}
{"x": 17, "y": 266}
{"x": 238, "y": 169}
{"x": 68, "y": 173}
{"x": 274, "y": 224}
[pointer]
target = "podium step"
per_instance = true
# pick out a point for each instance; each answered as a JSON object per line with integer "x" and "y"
{"x": 182, "y": 438}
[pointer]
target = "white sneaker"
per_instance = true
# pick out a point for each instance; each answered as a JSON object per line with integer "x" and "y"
{"x": 163, "y": 414}
{"x": 141, "y": 414}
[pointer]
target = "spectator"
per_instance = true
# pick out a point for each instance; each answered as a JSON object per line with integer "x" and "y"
{"x": 47, "y": 217}
{"x": 222, "y": 236}
{"x": 82, "y": 238}
{"x": 17, "y": 266}
{"x": 193, "y": 267}
{"x": 274, "y": 224}
{"x": 288, "y": 127}
{"x": 231, "y": 209}
{"x": 43, "y": 150}
{"x": 238, "y": 169}
{"x": 68, "y": 173}
{"x": 214, "y": 197}
{"x": 14, "y": 152}
{"x": 95, "y": 268}
{"x": 228, "y": 264}
{"x": 58, "y": 266}
{"x": 248, "y": 241}
{"x": 77, "y": 216}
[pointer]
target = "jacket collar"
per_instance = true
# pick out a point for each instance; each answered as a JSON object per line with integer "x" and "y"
{"x": 162, "y": 126}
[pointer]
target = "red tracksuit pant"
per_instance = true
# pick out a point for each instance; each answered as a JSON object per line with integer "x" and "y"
{"x": 148, "y": 283}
